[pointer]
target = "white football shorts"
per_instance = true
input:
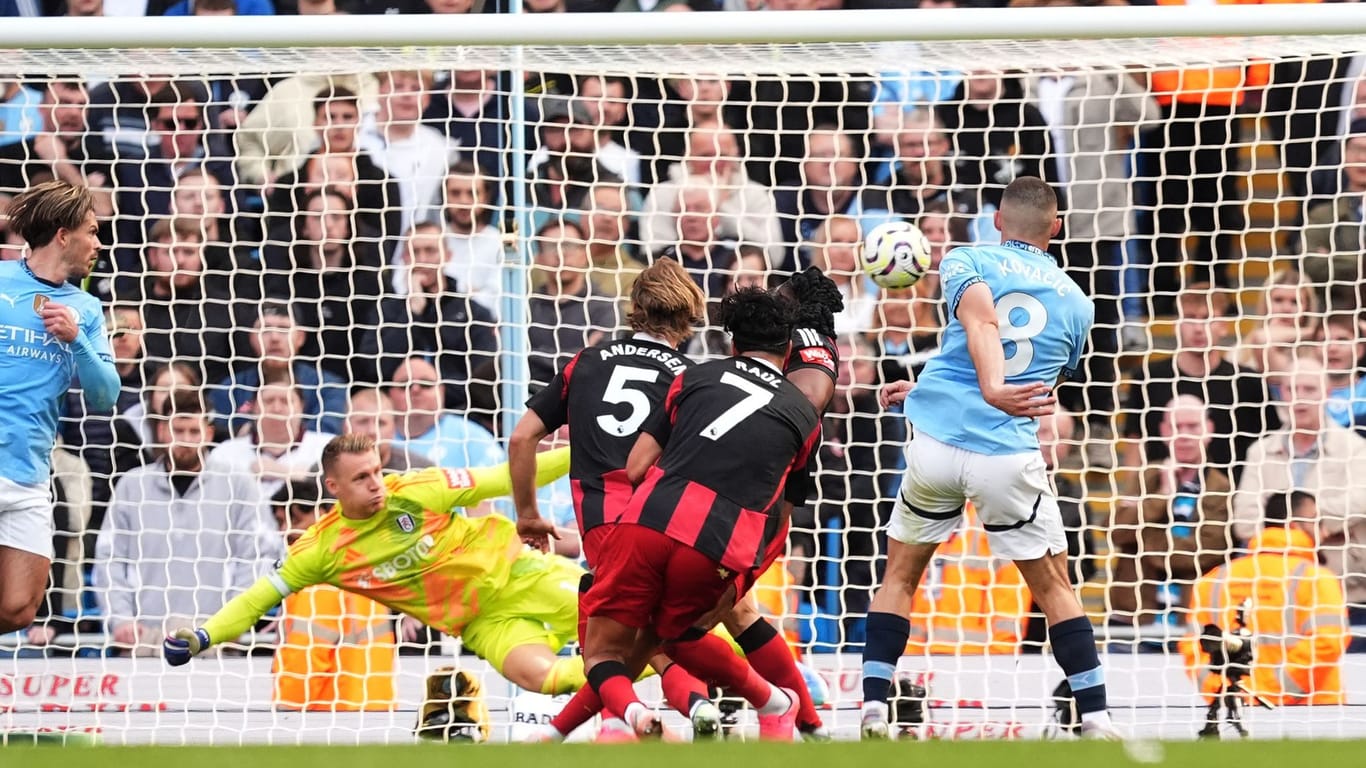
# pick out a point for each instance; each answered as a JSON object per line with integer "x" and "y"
{"x": 26, "y": 518}
{"x": 1011, "y": 494}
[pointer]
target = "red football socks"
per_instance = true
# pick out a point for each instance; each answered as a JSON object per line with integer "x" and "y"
{"x": 773, "y": 660}
{"x": 580, "y": 709}
{"x": 712, "y": 658}
{"x": 681, "y": 689}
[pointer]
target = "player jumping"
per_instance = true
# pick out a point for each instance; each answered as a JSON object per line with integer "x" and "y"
{"x": 53, "y": 333}
{"x": 1017, "y": 324}
{"x": 399, "y": 541}
{"x": 605, "y": 394}
{"x": 704, "y": 512}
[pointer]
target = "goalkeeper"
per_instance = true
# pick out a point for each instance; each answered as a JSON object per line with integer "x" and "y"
{"x": 398, "y": 540}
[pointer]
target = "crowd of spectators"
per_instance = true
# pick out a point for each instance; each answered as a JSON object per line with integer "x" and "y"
{"x": 290, "y": 257}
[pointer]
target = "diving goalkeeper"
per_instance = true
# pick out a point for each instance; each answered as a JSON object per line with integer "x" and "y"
{"x": 399, "y": 540}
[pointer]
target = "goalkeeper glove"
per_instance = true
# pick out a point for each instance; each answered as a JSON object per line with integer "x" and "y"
{"x": 180, "y": 647}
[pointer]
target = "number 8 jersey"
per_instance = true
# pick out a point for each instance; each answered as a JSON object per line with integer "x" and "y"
{"x": 732, "y": 431}
{"x": 605, "y": 394}
{"x": 1044, "y": 320}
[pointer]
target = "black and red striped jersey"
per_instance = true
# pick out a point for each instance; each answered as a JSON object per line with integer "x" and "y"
{"x": 732, "y": 430}
{"x": 605, "y": 393}
{"x": 812, "y": 349}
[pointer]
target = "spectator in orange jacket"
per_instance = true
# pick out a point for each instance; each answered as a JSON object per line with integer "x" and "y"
{"x": 967, "y": 606}
{"x": 337, "y": 650}
{"x": 1298, "y": 617}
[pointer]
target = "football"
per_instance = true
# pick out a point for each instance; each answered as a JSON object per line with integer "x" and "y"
{"x": 896, "y": 254}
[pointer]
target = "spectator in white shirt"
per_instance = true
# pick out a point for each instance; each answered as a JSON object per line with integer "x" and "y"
{"x": 414, "y": 155}
{"x": 278, "y": 449}
{"x": 474, "y": 244}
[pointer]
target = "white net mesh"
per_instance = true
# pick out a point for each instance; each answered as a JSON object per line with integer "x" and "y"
{"x": 342, "y": 218}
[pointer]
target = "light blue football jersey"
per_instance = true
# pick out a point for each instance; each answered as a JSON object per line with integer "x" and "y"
{"x": 36, "y": 369}
{"x": 1044, "y": 318}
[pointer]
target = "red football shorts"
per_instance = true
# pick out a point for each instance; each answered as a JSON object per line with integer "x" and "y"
{"x": 592, "y": 543}
{"x": 645, "y": 579}
{"x": 746, "y": 581}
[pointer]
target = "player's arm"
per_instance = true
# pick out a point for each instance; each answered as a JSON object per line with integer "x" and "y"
{"x": 449, "y": 489}
{"x": 654, "y": 435}
{"x": 301, "y": 568}
{"x": 240, "y": 614}
{"x": 90, "y": 352}
{"x": 546, "y": 411}
{"x": 644, "y": 454}
{"x": 522, "y": 448}
{"x": 976, "y": 312}
{"x": 815, "y": 386}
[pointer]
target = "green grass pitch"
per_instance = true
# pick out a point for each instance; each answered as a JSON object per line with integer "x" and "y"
{"x": 1024, "y": 754}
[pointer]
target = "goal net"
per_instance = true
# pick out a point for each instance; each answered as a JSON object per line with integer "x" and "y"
{"x": 405, "y": 225}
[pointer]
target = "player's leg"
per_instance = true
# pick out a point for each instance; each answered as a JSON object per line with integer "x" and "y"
{"x": 25, "y": 556}
{"x": 24, "y": 576}
{"x": 928, "y": 511}
{"x": 693, "y": 586}
{"x": 625, "y": 595}
{"x": 767, "y": 651}
{"x": 1023, "y": 524}
{"x": 585, "y": 703}
{"x": 688, "y": 696}
{"x": 547, "y": 597}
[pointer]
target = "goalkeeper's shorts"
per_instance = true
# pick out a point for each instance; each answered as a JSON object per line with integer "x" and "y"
{"x": 538, "y": 605}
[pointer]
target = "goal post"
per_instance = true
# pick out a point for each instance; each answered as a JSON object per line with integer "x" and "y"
{"x": 420, "y": 218}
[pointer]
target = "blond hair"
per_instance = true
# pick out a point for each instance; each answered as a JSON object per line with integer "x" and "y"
{"x": 665, "y": 302}
{"x": 341, "y": 444}
{"x": 40, "y": 212}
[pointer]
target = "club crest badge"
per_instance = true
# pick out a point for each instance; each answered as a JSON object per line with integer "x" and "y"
{"x": 405, "y": 523}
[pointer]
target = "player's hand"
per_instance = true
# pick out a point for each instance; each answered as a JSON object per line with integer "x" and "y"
{"x": 48, "y": 147}
{"x": 408, "y": 628}
{"x": 60, "y": 321}
{"x": 536, "y": 532}
{"x": 184, "y": 645}
{"x": 893, "y": 393}
{"x": 1027, "y": 400}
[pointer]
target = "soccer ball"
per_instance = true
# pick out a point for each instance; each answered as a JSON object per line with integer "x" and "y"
{"x": 896, "y": 254}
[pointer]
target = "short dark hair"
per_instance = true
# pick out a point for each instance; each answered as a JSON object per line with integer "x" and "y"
{"x": 178, "y": 91}
{"x": 273, "y": 307}
{"x": 170, "y": 228}
{"x": 37, "y": 213}
{"x": 184, "y": 402}
{"x": 1281, "y": 506}
{"x": 758, "y": 320}
{"x": 303, "y": 492}
{"x": 1029, "y": 206}
{"x": 561, "y": 224}
{"x": 331, "y": 93}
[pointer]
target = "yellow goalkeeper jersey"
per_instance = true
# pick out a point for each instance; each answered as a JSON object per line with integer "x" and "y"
{"x": 418, "y": 555}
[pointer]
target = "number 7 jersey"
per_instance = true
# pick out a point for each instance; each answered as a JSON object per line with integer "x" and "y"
{"x": 732, "y": 430}
{"x": 1044, "y": 321}
{"x": 605, "y": 394}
